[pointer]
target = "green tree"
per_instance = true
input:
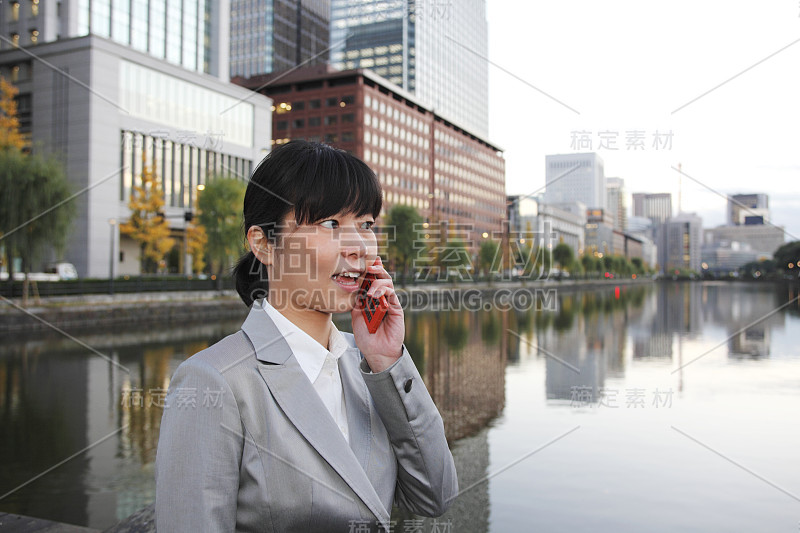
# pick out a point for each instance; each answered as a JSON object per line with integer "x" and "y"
{"x": 563, "y": 256}
{"x": 220, "y": 205}
{"x": 147, "y": 225}
{"x": 788, "y": 254}
{"x": 34, "y": 209}
{"x": 404, "y": 221}
{"x": 454, "y": 260}
{"x": 489, "y": 260}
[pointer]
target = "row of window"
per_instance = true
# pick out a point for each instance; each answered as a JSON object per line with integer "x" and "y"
{"x": 314, "y": 103}
{"x": 315, "y": 122}
{"x": 15, "y": 7}
{"x": 180, "y": 167}
{"x": 328, "y": 138}
{"x": 33, "y": 37}
{"x": 405, "y": 119}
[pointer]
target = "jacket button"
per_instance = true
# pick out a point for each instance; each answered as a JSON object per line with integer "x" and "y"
{"x": 407, "y": 386}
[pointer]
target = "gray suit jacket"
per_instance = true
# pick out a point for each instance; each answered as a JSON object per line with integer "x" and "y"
{"x": 246, "y": 444}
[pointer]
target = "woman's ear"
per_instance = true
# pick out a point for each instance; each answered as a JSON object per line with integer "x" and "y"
{"x": 259, "y": 245}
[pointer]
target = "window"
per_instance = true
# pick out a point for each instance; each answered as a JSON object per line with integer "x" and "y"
{"x": 299, "y": 123}
{"x": 298, "y": 106}
{"x": 331, "y": 138}
{"x": 330, "y": 120}
{"x": 332, "y": 102}
{"x": 314, "y": 104}
{"x": 348, "y": 137}
{"x": 314, "y": 122}
{"x": 348, "y": 118}
{"x": 282, "y": 125}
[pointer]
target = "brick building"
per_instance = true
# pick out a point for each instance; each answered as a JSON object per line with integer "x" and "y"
{"x": 422, "y": 160}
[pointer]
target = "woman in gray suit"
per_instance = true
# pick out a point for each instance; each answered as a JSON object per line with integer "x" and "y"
{"x": 289, "y": 424}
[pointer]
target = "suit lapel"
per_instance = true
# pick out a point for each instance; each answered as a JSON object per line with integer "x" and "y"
{"x": 301, "y": 404}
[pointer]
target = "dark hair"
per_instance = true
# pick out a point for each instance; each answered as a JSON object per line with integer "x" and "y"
{"x": 313, "y": 179}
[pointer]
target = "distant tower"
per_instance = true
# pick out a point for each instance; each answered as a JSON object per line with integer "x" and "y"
{"x": 436, "y": 50}
{"x": 657, "y": 207}
{"x": 274, "y": 35}
{"x": 615, "y": 202}
{"x": 575, "y": 178}
{"x": 748, "y": 209}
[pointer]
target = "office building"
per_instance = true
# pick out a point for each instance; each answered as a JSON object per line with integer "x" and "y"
{"x": 761, "y": 239}
{"x": 447, "y": 173}
{"x": 546, "y": 224}
{"x": 575, "y": 178}
{"x": 272, "y": 35}
{"x": 657, "y": 207}
{"x": 434, "y": 49}
{"x": 616, "y": 203}
{"x": 190, "y": 33}
{"x": 104, "y": 108}
{"x": 748, "y": 209}
{"x": 680, "y": 242}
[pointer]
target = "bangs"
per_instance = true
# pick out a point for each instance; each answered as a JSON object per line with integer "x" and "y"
{"x": 334, "y": 182}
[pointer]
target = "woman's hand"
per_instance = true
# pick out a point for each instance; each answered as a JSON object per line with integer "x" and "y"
{"x": 382, "y": 348}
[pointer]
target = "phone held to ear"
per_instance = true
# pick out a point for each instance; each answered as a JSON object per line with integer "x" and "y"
{"x": 374, "y": 309}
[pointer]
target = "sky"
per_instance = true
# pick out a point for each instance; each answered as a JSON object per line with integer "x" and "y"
{"x": 566, "y": 74}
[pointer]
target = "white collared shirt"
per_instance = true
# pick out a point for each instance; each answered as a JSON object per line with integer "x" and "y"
{"x": 319, "y": 364}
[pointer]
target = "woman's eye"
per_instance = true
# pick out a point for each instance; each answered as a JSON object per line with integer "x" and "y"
{"x": 368, "y": 224}
{"x": 330, "y": 224}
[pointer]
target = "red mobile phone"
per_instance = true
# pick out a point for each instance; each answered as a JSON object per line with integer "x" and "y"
{"x": 374, "y": 308}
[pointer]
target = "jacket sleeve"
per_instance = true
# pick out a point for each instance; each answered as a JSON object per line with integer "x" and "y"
{"x": 199, "y": 453}
{"x": 426, "y": 477}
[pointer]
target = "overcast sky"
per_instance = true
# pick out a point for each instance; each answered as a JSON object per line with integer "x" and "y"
{"x": 625, "y": 70}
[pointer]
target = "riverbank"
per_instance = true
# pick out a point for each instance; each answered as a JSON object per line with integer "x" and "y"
{"x": 95, "y": 311}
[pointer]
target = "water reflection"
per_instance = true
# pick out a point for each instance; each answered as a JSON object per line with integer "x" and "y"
{"x": 58, "y": 399}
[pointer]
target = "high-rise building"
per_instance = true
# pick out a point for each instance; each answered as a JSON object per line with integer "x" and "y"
{"x": 422, "y": 160}
{"x": 657, "y": 207}
{"x": 575, "y": 178}
{"x": 117, "y": 86}
{"x": 434, "y": 49}
{"x": 680, "y": 243}
{"x": 190, "y": 33}
{"x": 748, "y": 209}
{"x": 273, "y": 35}
{"x": 616, "y": 204}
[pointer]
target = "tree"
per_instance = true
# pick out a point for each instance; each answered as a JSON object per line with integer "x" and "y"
{"x": 220, "y": 205}
{"x": 454, "y": 259}
{"x": 147, "y": 225}
{"x": 562, "y": 254}
{"x": 788, "y": 254}
{"x": 10, "y": 137}
{"x": 196, "y": 241}
{"x": 34, "y": 209}
{"x": 489, "y": 259}
{"x": 404, "y": 221}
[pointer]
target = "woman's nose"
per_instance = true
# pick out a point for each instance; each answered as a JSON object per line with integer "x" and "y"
{"x": 353, "y": 243}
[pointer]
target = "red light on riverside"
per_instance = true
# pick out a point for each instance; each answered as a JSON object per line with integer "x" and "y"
{"x": 616, "y": 292}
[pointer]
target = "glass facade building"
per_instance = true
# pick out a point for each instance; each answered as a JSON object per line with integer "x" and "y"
{"x": 189, "y": 33}
{"x": 274, "y": 35}
{"x": 435, "y": 49}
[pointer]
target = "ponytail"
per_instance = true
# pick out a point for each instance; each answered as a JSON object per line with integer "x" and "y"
{"x": 251, "y": 279}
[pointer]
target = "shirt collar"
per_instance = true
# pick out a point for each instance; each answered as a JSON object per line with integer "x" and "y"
{"x": 309, "y": 353}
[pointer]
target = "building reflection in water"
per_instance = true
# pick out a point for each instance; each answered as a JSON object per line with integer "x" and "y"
{"x": 57, "y": 398}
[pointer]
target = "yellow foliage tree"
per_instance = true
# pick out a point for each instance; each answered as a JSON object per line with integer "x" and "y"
{"x": 196, "y": 241}
{"x": 147, "y": 225}
{"x": 10, "y": 137}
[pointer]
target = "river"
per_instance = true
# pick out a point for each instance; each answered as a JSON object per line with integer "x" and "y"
{"x": 652, "y": 407}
